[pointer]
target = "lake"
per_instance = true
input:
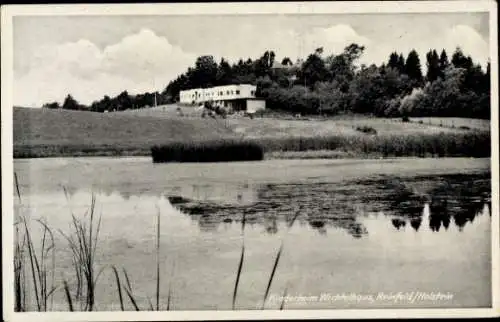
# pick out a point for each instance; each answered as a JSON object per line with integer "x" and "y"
{"x": 368, "y": 233}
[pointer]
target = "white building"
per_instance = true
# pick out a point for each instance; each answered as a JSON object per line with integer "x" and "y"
{"x": 235, "y": 97}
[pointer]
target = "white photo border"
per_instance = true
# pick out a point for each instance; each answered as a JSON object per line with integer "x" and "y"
{"x": 331, "y": 7}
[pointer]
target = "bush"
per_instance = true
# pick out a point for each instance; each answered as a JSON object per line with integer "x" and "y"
{"x": 366, "y": 129}
{"x": 406, "y": 119}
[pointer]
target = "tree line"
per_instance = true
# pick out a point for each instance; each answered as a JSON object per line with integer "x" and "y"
{"x": 121, "y": 102}
{"x": 335, "y": 84}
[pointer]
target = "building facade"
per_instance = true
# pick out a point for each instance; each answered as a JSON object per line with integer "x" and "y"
{"x": 235, "y": 97}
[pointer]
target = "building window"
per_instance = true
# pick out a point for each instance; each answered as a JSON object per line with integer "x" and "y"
{"x": 252, "y": 93}
{"x": 237, "y": 92}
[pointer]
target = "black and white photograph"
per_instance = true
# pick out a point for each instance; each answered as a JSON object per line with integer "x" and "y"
{"x": 250, "y": 160}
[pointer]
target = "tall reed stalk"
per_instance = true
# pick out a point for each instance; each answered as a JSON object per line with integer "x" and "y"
{"x": 277, "y": 259}
{"x": 83, "y": 244}
{"x": 41, "y": 266}
{"x": 20, "y": 287}
{"x": 127, "y": 285}
{"x": 169, "y": 296}
{"x": 41, "y": 263}
{"x": 158, "y": 260}
{"x": 242, "y": 257}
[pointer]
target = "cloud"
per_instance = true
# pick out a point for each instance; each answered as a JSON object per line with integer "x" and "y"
{"x": 144, "y": 61}
{"x": 470, "y": 41}
{"x": 138, "y": 63}
{"x": 333, "y": 39}
{"x": 422, "y": 40}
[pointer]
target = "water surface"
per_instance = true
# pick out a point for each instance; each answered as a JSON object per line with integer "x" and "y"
{"x": 364, "y": 229}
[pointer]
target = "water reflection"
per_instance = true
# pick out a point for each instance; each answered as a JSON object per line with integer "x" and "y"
{"x": 398, "y": 223}
{"x": 450, "y": 200}
{"x": 415, "y": 223}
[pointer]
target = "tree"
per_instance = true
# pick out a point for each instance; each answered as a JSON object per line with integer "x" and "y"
{"x": 205, "y": 72}
{"x": 353, "y": 52}
{"x": 342, "y": 68}
{"x": 397, "y": 62}
{"x": 413, "y": 68}
{"x": 70, "y": 103}
{"x": 401, "y": 64}
{"x": 123, "y": 101}
{"x": 393, "y": 61}
{"x": 224, "y": 73}
{"x": 332, "y": 100}
{"x": 313, "y": 70}
{"x": 433, "y": 66}
{"x": 53, "y": 105}
{"x": 459, "y": 60}
{"x": 286, "y": 61}
{"x": 366, "y": 90}
{"x": 443, "y": 63}
{"x": 263, "y": 65}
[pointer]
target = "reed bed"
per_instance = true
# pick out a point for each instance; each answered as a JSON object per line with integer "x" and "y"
{"x": 34, "y": 270}
{"x": 209, "y": 151}
{"x": 34, "y": 267}
{"x": 83, "y": 245}
{"x": 472, "y": 143}
{"x": 467, "y": 144}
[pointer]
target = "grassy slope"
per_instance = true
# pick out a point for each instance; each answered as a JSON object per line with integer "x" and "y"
{"x": 59, "y": 132}
{"x": 42, "y": 133}
{"x": 277, "y": 127}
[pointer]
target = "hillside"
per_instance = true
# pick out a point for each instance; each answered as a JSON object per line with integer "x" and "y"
{"x": 46, "y": 132}
{"x": 61, "y": 132}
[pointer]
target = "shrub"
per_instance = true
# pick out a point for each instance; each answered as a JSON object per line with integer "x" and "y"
{"x": 406, "y": 119}
{"x": 366, "y": 129}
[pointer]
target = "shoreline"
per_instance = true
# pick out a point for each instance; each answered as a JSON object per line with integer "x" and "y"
{"x": 271, "y": 155}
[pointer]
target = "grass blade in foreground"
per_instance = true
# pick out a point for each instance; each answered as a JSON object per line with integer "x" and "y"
{"x": 282, "y": 306}
{"x": 169, "y": 297}
{"x": 17, "y": 186}
{"x": 128, "y": 290}
{"x": 158, "y": 261}
{"x": 276, "y": 261}
{"x": 278, "y": 256}
{"x": 68, "y": 296}
{"x": 240, "y": 265}
{"x": 118, "y": 285}
{"x": 83, "y": 244}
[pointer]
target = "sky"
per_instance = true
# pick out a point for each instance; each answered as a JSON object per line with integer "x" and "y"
{"x": 92, "y": 56}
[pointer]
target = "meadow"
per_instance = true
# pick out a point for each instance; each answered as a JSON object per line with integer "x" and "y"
{"x": 49, "y": 133}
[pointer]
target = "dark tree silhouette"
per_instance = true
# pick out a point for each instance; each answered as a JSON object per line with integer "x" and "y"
{"x": 413, "y": 68}
{"x": 70, "y": 103}
{"x": 433, "y": 66}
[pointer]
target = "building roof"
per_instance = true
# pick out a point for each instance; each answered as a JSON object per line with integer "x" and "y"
{"x": 220, "y": 86}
